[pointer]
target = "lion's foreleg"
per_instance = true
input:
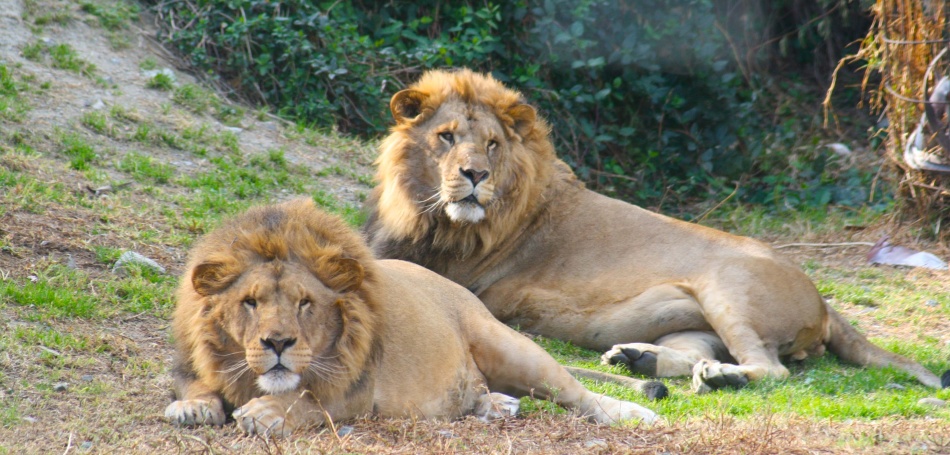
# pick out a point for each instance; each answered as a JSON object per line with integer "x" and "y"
{"x": 197, "y": 404}
{"x": 514, "y": 365}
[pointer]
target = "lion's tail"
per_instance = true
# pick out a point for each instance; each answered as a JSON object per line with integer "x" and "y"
{"x": 654, "y": 390}
{"x": 849, "y": 345}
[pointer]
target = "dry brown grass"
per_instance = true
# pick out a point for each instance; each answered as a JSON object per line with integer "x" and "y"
{"x": 903, "y": 42}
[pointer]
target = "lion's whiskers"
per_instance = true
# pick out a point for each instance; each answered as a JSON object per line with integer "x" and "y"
{"x": 239, "y": 368}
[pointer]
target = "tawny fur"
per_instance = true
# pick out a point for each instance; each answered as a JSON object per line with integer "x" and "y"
{"x": 285, "y": 318}
{"x": 664, "y": 296}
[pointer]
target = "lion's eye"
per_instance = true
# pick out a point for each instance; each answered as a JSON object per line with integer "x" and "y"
{"x": 447, "y": 137}
{"x": 304, "y": 303}
{"x": 250, "y": 303}
{"x": 492, "y": 145}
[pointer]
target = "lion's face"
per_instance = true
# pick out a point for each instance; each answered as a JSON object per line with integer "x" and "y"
{"x": 461, "y": 148}
{"x": 286, "y": 320}
{"x": 463, "y": 145}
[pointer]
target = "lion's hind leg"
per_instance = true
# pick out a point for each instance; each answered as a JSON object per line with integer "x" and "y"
{"x": 670, "y": 355}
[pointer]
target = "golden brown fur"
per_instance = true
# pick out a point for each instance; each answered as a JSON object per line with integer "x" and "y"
{"x": 469, "y": 187}
{"x": 285, "y": 318}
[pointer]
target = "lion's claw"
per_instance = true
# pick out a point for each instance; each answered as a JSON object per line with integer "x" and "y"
{"x": 195, "y": 412}
{"x": 261, "y": 417}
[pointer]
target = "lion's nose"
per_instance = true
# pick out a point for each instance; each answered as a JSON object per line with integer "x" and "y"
{"x": 277, "y": 344}
{"x": 473, "y": 175}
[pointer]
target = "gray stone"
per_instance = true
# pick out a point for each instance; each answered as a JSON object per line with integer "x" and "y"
{"x": 931, "y": 402}
{"x": 131, "y": 257}
{"x": 60, "y": 386}
{"x": 344, "y": 430}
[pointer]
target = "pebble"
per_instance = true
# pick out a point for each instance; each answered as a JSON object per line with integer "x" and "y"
{"x": 86, "y": 445}
{"x": 87, "y": 377}
{"x": 447, "y": 434}
{"x": 234, "y": 129}
{"x": 932, "y": 302}
{"x": 60, "y": 386}
{"x": 931, "y": 402}
{"x": 595, "y": 444}
{"x": 30, "y": 419}
{"x": 344, "y": 430}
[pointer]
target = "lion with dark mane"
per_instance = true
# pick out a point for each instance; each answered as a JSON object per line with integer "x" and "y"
{"x": 285, "y": 318}
{"x": 469, "y": 186}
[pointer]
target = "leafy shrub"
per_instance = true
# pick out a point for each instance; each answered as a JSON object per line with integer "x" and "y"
{"x": 648, "y": 98}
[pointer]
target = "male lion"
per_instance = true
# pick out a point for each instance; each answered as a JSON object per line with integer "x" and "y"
{"x": 469, "y": 186}
{"x": 284, "y": 314}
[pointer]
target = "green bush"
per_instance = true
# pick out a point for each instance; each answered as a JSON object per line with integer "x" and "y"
{"x": 647, "y": 97}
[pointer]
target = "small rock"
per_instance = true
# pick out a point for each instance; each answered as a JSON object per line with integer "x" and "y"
{"x": 131, "y": 257}
{"x": 932, "y": 302}
{"x": 895, "y": 386}
{"x": 447, "y": 434}
{"x": 931, "y": 402}
{"x": 60, "y": 387}
{"x": 87, "y": 377}
{"x": 344, "y": 430}
{"x": 47, "y": 40}
{"x": 95, "y": 104}
{"x": 595, "y": 444}
{"x": 30, "y": 419}
{"x": 234, "y": 129}
{"x": 86, "y": 445}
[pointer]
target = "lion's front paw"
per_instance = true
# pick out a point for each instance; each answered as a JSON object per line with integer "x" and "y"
{"x": 493, "y": 406}
{"x": 635, "y": 359}
{"x": 264, "y": 416}
{"x": 195, "y": 412}
{"x": 609, "y": 410}
{"x": 709, "y": 375}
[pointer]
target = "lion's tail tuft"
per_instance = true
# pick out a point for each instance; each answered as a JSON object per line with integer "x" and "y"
{"x": 849, "y": 345}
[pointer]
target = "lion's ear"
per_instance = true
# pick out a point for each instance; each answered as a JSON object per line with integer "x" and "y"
{"x": 212, "y": 277}
{"x": 341, "y": 274}
{"x": 406, "y": 105}
{"x": 523, "y": 116}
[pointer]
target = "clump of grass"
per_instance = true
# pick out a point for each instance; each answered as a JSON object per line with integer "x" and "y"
{"x": 65, "y": 57}
{"x": 145, "y": 168}
{"x": 81, "y": 154}
{"x": 148, "y": 64}
{"x": 194, "y": 98}
{"x": 160, "y": 81}
{"x": 33, "y": 51}
{"x": 12, "y": 106}
{"x": 114, "y": 15}
{"x": 97, "y": 122}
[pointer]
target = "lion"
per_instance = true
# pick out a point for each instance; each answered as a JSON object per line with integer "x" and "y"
{"x": 469, "y": 186}
{"x": 285, "y": 320}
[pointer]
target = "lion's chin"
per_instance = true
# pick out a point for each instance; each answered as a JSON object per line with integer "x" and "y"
{"x": 465, "y": 212}
{"x": 278, "y": 381}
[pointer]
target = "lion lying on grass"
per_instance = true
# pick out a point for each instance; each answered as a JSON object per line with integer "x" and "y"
{"x": 469, "y": 186}
{"x": 285, "y": 315}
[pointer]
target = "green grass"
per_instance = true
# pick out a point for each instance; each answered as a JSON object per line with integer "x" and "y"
{"x": 818, "y": 388}
{"x": 81, "y": 155}
{"x": 12, "y": 106}
{"x": 112, "y": 16}
{"x": 160, "y": 81}
{"x": 144, "y": 168}
{"x": 57, "y": 293}
{"x": 65, "y": 57}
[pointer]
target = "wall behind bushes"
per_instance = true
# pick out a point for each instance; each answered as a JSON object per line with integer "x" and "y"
{"x": 650, "y": 99}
